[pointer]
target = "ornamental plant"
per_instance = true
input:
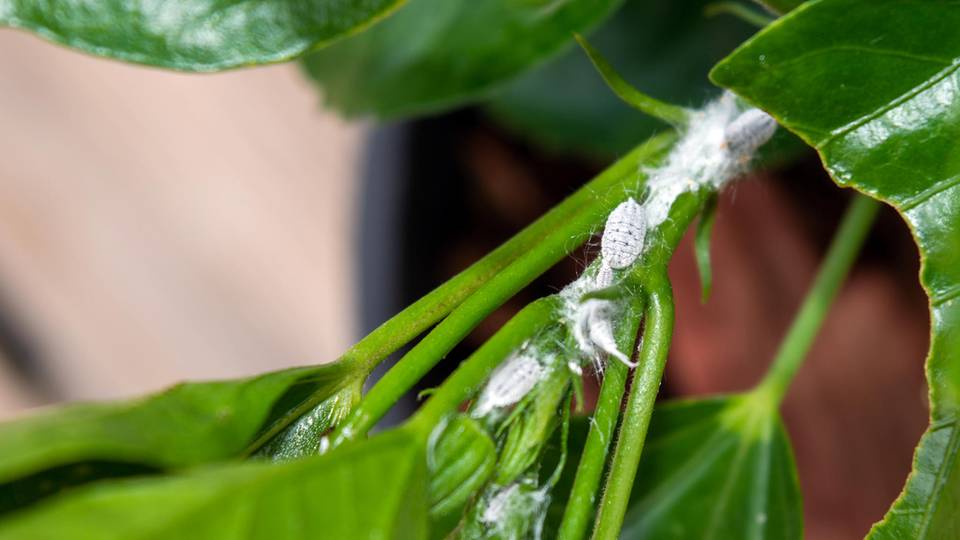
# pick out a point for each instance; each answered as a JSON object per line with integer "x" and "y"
{"x": 503, "y": 448}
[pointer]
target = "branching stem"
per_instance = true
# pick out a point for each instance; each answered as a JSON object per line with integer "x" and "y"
{"x": 658, "y": 329}
{"x": 592, "y": 203}
{"x": 580, "y": 505}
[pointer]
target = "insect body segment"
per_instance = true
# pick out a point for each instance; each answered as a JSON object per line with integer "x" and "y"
{"x": 623, "y": 235}
{"x": 509, "y": 383}
{"x": 748, "y": 132}
{"x": 621, "y": 245}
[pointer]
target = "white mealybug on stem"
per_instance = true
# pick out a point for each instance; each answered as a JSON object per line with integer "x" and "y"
{"x": 623, "y": 235}
{"x": 717, "y": 146}
{"x": 596, "y": 329}
{"x": 748, "y": 132}
{"x": 509, "y": 383}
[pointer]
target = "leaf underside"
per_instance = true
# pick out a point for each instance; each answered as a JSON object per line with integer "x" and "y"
{"x": 874, "y": 86}
{"x": 434, "y": 54}
{"x": 194, "y": 35}
{"x": 187, "y": 425}
{"x": 373, "y": 489}
{"x": 715, "y": 468}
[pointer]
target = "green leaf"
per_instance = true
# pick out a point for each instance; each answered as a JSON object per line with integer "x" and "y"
{"x": 650, "y": 106}
{"x": 194, "y": 35}
{"x": 434, "y": 54}
{"x": 187, "y": 425}
{"x": 372, "y": 489}
{"x": 873, "y": 85}
{"x": 570, "y": 457}
{"x": 717, "y": 468}
{"x": 304, "y": 437}
{"x": 664, "y": 47}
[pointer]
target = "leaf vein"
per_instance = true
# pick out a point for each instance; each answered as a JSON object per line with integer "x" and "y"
{"x": 934, "y": 189}
{"x": 944, "y": 296}
{"x": 907, "y": 96}
{"x": 949, "y": 457}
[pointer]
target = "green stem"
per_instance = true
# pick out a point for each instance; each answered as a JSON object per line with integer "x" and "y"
{"x": 580, "y": 504}
{"x": 594, "y": 202}
{"x": 424, "y": 313}
{"x": 840, "y": 257}
{"x": 657, "y": 332}
{"x": 658, "y": 329}
{"x": 740, "y": 11}
{"x": 467, "y": 379}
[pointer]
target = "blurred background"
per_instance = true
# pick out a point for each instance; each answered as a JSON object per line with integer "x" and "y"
{"x": 156, "y": 227}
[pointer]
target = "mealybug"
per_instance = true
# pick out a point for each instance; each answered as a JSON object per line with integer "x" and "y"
{"x": 748, "y": 132}
{"x": 623, "y": 235}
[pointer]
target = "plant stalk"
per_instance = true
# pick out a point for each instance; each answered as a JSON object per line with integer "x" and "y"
{"x": 843, "y": 250}
{"x": 740, "y": 11}
{"x": 580, "y": 505}
{"x": 593, "y": 203}
{"x": 469, "y": 376}
{"x": 658, "y": 329}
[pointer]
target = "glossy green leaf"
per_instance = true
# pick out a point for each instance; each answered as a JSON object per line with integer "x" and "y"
{"x": 438, "y": 53}
{"x": 372, "y": 489}
{"x": 717, "y": 468}
{"x": 194, "y": 35}
{"x": 663, "y": 47}
{"x": 187, "y": 425}
{"x": 874, "y": 86}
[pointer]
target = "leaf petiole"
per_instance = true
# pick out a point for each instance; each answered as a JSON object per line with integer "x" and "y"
{"x": 840, "y": 257}
{"x": 580, "y": 505}
{"x": 739, "y": 11}
{"x": 658, "y": 329}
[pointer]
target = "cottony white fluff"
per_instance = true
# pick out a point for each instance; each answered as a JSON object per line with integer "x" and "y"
{"x": 512, "y": 380}
{"x": 591, "y": 319}
{"x": 745, "y": 135}
{"x": 518, "y": 502}
{"x": 593, "y": 330}
{"x": 718, "y": 145}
